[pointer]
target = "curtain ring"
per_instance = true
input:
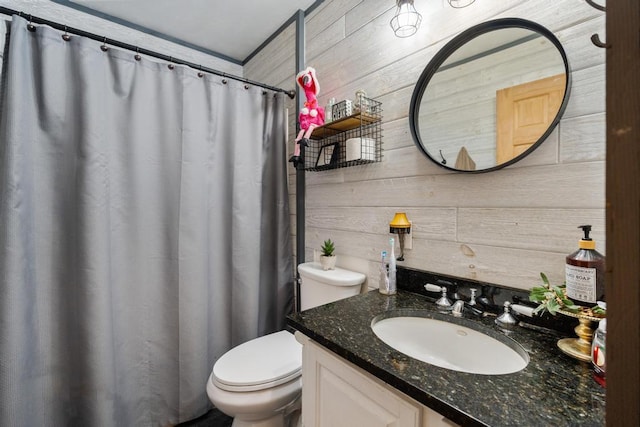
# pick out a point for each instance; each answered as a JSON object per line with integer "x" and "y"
{"x": 171, "y": 66}
{"x": 224, "y": 81}
{"x": 137, "y": 56}
{"x": 66, "y": 37}
{"x": 30, "y": 26}
{"x": 246, "y": 87}
{"x": 104, "y": 46}
{"x": 200, "y": 73}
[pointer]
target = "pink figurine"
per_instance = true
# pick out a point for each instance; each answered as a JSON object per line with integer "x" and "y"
{"x": 311, "y": 115}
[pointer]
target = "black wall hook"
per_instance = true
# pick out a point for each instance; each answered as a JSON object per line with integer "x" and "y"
{"x": 595, "y": 38}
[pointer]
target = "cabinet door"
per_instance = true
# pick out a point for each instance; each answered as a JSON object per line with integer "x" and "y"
{"x": 431, "y": 418}
{"x": 336, "y": 393}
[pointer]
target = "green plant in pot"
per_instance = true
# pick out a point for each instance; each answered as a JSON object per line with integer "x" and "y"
{"x": 328, "y": 258}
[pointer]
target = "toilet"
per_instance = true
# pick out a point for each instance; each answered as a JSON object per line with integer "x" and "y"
{"x": 259, "y": 382}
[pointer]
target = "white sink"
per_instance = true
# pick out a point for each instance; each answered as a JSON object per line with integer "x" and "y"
{"x": 450, "y": 345}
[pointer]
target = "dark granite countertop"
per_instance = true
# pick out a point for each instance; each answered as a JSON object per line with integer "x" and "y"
{"x": 553, "y": 390}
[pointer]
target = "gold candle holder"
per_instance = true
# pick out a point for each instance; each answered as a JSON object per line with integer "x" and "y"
{"x": 579, "y": 348}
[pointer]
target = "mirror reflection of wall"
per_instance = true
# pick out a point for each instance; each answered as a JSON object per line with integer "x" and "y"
{"x": 457, "y": 113}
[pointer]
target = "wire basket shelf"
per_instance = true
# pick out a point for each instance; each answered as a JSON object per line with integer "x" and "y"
{"x": 355, "y": 139}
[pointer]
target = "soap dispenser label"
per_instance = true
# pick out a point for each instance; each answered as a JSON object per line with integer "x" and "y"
{"x": 581, "y": 283}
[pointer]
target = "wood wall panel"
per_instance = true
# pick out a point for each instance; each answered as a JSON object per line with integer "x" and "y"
{"x": 275, "y": 63}
{"x": 579, "y": 48}
{"x": 534, "y": 187}
{"x": 479, "y": 226}
{"x": 587, "y": 92}
{"x": 552, "y": 230}
{"x": 583, "y": 138}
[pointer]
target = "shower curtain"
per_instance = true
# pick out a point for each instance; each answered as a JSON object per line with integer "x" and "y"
{"x": 144, "y": 230}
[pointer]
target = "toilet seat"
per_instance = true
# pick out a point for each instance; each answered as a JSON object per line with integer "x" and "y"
{"x": 261, "y": 363}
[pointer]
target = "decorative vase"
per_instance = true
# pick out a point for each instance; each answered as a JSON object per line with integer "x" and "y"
{"x": 328, "y": 262}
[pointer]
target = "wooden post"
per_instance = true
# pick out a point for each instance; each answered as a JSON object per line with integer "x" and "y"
{"x": 623, "y": 213}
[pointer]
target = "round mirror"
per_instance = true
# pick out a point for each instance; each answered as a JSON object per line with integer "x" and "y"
{"x": 491, "y": 96}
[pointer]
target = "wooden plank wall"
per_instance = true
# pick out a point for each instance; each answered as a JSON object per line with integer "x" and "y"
{"x": 503, "y": 227}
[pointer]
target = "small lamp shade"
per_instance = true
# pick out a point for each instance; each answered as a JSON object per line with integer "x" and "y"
{"x": 400, "y": 224}
{"x": 407, "y": 20}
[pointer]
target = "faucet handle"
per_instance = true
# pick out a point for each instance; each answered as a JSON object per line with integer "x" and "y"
{"x": 472, "y": 301}
{"x": 444, "y": 303}
{"x": 432, "y": 288}
{"x": 506, "y": 318}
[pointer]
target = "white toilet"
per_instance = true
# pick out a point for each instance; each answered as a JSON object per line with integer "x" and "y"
{"x": 259, "y": 382}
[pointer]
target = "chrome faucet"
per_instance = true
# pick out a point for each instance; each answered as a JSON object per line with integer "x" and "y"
{"x": 458, "y": 308}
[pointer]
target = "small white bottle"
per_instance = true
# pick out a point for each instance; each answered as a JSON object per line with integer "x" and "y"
{"x": 392, "y": 268}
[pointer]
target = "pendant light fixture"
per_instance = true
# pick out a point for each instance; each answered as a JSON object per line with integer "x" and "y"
{"x": 407, "y": 20}
{"x": 459, "y": 4}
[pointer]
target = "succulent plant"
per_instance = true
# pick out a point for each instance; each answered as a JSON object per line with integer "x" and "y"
{"x": 327, "y": 248}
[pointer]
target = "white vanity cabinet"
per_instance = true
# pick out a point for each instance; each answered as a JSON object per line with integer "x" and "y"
{"x": 336, "y": 393}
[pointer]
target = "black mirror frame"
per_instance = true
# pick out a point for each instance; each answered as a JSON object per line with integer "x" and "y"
{"x": 462, "y": 38}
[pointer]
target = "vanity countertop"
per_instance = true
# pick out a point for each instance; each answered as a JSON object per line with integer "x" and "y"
{"x": 553, "y": 390}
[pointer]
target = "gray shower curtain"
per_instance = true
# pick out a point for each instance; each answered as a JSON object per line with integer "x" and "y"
{"x": 144, "y": 230}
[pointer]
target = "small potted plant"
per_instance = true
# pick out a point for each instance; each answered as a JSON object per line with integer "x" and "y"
{"x": 328, "y": 259}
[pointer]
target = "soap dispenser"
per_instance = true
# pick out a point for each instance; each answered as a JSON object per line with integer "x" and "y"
{"x": 584, "y": 272}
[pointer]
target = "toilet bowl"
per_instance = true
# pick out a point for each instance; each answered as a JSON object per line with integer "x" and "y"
{"x": 259, "y": 382}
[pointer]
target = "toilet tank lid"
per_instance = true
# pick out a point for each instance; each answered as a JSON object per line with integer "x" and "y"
{"x": 261, "y": 361}
{"x": 336, "y": 277}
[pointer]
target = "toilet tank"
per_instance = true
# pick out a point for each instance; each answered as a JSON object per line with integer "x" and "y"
{"x": 318, "y": 286}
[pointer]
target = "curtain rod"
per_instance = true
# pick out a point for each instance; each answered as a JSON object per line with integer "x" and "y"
{"x": 34, "y": 19}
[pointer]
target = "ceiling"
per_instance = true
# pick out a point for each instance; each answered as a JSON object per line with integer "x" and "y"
{"x": 230, "y": 29}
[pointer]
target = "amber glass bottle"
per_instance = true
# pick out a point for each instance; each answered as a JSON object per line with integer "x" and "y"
{"x": 584, "y": 272}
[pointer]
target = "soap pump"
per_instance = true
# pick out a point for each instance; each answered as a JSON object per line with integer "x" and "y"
{"x": 584, "y": 272}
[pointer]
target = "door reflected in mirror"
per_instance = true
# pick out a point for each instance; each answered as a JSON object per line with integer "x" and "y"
{"x": 490, "y": 96}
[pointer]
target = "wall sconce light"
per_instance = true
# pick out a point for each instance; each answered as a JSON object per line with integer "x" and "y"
{"x": 400, "y": 225}
{"x": 407, "y": 20}
{"x": 459, "y": 4}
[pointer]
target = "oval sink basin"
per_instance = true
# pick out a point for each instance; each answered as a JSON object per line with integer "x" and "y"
{"x": 450, "y": 345}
